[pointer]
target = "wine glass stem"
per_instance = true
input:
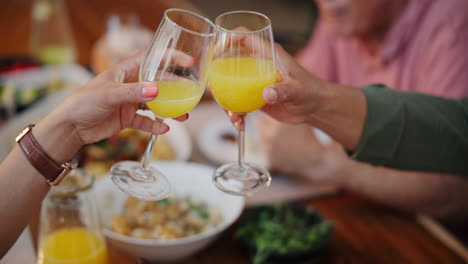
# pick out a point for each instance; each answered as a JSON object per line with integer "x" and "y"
{"x": 241, "y": 145}
{"x": 240, "y": 125}
{"x": 146, "y": 159}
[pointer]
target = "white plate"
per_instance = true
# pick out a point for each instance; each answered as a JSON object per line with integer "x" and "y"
{"x": 178, "y": 136}
{"x": 186, "y": 179}
{"x": 69, "y": 74}
{"x": 221, "y": 151}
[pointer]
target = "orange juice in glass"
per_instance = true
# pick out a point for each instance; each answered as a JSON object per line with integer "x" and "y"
{"x": 70, "y": 232}
{"x": 237, "y": 82}
{"x": 175, "y": 98}
{"x": 73, "y": 246}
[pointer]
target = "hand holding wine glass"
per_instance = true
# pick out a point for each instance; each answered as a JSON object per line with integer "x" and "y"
{"x": 243, "y": 64}
{"x": 176, "y": 63}
{"x": 291, "y": 98}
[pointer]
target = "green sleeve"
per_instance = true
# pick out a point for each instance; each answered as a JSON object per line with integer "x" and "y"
{"x": 412, "y": 131}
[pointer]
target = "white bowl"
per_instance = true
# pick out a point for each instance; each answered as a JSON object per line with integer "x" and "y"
{"x": 187, "y": 179}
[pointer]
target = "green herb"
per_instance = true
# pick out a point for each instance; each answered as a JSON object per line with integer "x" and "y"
{"x": 164, "y": 202}
{"x": 279, "y": 229}
{"x": 200, "y": 210}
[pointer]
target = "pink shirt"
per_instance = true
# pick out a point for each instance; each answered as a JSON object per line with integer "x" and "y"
{"x": 426, "y": 50}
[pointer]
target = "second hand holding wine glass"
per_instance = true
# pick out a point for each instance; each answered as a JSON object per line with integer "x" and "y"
{"x": 176, "y": 63}
{"x": 243, "y": 64}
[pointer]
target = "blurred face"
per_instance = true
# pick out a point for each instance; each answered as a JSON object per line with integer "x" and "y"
{"x": 357, "y": 18}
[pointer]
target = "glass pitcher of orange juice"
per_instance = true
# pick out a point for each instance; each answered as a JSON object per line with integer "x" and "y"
{"x": 70, "y": 230}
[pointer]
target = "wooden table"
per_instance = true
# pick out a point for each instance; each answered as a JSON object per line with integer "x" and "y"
{"x": 364, "y": 233}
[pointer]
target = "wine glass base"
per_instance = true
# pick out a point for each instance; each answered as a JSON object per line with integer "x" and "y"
{"x": 132, "y": 179}
{"x": 245, "y": 181}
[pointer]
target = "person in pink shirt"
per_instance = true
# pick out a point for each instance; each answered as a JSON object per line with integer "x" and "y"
{"x": 409, "y": 45}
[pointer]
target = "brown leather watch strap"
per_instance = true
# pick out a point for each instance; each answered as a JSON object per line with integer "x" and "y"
{"x": 51, "y": 170}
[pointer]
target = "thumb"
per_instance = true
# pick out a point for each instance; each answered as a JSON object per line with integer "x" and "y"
{"x": 279, "y": 93}
{"x": 133, "y": 93}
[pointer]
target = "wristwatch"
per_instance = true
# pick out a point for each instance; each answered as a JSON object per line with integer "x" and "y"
{"x": 52, "y": 171}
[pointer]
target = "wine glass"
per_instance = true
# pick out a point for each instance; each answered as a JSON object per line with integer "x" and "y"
{"x": 70, "y": 230}
{"x": 243, "y": 63}
{"x": 176, "y": 62}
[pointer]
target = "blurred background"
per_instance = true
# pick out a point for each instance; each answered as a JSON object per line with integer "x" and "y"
{"x": 51, "y": 47}
{"x": 292, "y": 20}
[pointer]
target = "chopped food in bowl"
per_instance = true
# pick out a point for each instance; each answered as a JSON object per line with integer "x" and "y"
{"x": 171, "y": 218}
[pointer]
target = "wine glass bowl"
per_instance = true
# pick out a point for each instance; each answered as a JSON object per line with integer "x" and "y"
{"x": 243, "y": 64}
{"x": 176, "y": 63}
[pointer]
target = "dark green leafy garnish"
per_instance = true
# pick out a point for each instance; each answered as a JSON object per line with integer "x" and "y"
{"x": 282, "y": 229}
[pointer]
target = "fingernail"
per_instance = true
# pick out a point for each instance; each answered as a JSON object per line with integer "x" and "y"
{"x": 150, "y": 90}
{"x": 272, "y": 95}
{"x": 163, "y": 129}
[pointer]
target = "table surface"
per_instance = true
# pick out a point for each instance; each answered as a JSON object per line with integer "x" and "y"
{"x": 364, "y": 231}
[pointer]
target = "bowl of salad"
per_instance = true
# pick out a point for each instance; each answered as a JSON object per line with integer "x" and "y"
{"x": 284, "y": 233}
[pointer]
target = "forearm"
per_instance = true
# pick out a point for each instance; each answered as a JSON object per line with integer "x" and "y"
{"x": 412, "y": 131}
{"x": 21, "y": 186}
{"x": 340, "y": 112}
{"x": 22, "y": 189}
{"x": 402, "y": 130}
{"x": 439, "y": 195}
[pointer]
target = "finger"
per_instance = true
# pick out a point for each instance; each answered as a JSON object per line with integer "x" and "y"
{"x": 279, "y": 76}
{"x": 131, "y": 93}
{"x": 127, "y": 70}
{"x": 182, "y": 118}
{"x": 160, "y": 128}
{"x": 233, "y": 117}
{"x": 279, "y": 93}
{"x": 146, "y": 124}
{"x": 162, "y": 75}
{"x": 237, "y": 120}
{"x": 179, "y": 58}
{"x": 284, "y": 61}
{"x": 251, "y": 43}
{"x": 167, "y": 57}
